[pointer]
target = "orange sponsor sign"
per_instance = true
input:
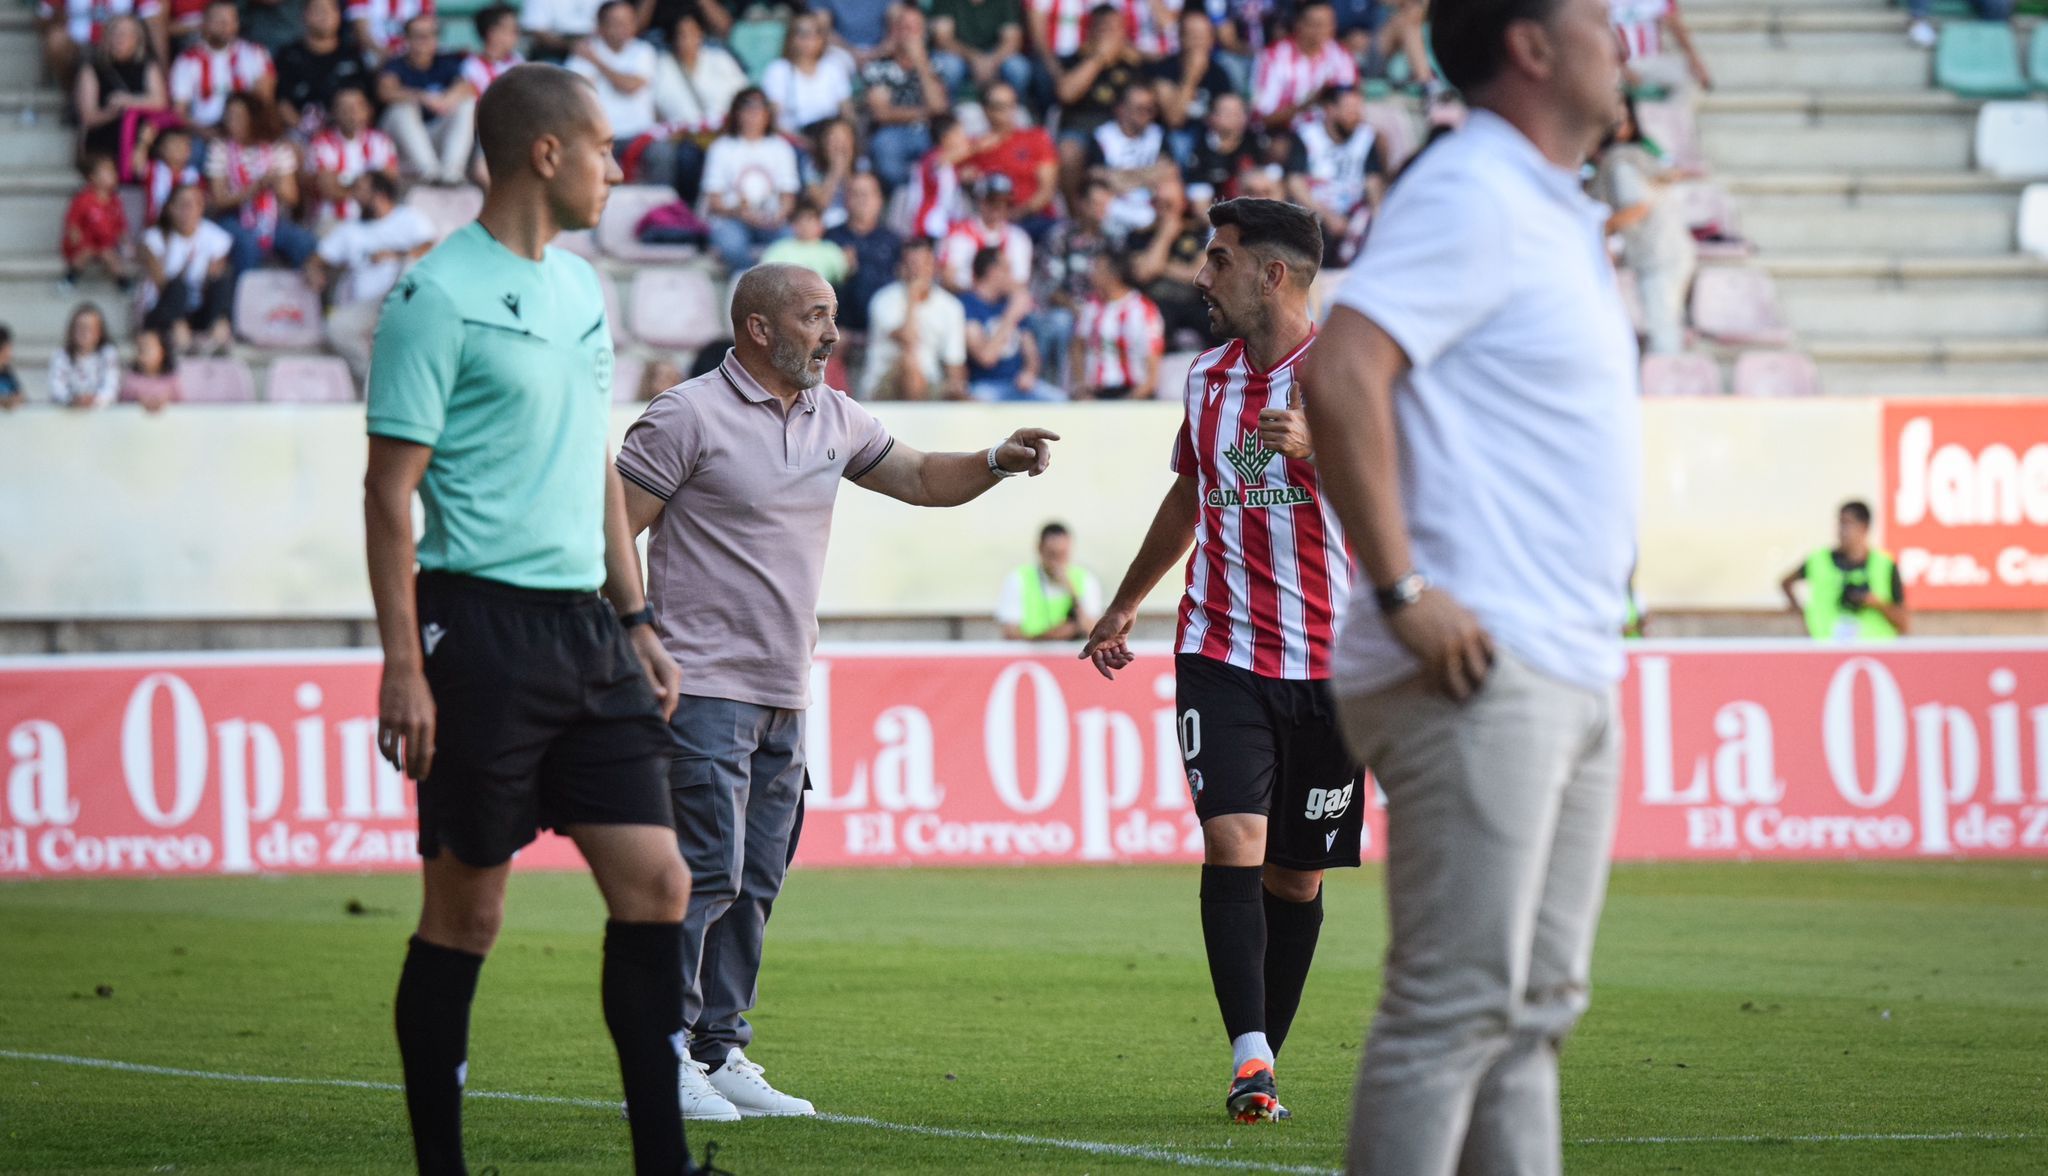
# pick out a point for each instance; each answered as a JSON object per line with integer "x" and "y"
{"x": 1966, "y": 502}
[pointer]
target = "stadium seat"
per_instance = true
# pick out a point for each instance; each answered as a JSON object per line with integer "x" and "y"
{"x": 626, "y": 375}
{"x": 276, "y": 308}
{"x": 1776, "y": 374}
{"x": 1979, "y": 59}
{"x": 616, "y": 229}
{"x": 1685, "y": 374}
{"x": 447, "y": 209}
{"x": 2037, "y": 57}
{"x": 756, "y": 43}
{"x": 674, "y": 307}
{"x": 2034, "y": 220}
{"x": 309, "y": 379}
{"x": 1670, "y": 125}
{"x": 1736, "y": 304}
{"x": 2012, "y": 139}
{"x": 216, "y": 381}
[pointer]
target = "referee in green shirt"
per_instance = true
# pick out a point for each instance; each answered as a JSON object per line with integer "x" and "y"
{"x": 513, "y": 692}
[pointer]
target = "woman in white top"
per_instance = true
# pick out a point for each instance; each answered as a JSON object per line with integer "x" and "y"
{"x": 191, "y": 283}
{"x": 698, "y": 81}
{"x": 750, "y": 182}
{"x": 86, "y": 371}
{"x": 807, "y": 84}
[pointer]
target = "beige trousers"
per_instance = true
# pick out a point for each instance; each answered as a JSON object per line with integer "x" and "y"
{"x": 1500, "y": 815}
{"x": 351, "y": 327}
{"x": 437, "y": 151}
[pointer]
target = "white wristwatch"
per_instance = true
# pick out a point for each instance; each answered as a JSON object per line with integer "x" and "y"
{"x": 997, "y": 470}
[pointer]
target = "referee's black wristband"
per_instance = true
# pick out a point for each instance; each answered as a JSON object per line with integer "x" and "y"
{"x": 634, "y": 620}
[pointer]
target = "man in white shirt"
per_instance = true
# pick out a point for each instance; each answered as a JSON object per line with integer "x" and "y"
{"x": 917, "y": 334}
{"x": 553, "y": 26}
{"x": 360, "y": 260}
{"x": 1473, "y": 400}
{"x": 1126, "y": 153}
{"x": 623, "y": 68}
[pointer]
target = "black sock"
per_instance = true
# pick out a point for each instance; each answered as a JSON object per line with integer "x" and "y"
{"x": 1291, "y": 932}
{"x": 1234, "y": 931}
{"x": 643, "y": 1008}
{"x": 432, "y": 1013}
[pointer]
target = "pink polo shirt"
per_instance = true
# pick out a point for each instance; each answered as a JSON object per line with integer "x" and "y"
{"x": 735, "y": 560}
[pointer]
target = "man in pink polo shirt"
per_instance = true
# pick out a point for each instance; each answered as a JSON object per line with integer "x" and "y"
{"x": 736, "y": 471}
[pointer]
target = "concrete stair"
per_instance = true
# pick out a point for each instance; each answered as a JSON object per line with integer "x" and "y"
{"x": 1894, "y": 258}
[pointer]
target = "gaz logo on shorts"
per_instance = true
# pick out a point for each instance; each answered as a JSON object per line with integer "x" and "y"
{"x": 1330, "y": 802}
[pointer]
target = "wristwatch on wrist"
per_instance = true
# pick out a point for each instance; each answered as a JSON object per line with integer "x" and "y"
{"x": 995, "y": 469}
{"x": 1401, "y": 593}
{"x": 634, "y": 620}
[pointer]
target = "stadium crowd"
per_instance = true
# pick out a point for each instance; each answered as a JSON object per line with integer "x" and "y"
{"x": 1009, "y": 196}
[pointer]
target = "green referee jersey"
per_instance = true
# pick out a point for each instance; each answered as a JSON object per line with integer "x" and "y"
{"x": 503, "y": 366}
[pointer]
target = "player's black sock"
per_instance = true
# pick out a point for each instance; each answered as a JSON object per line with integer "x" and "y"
{"x": 432, "y": 1012}
{"x": 1234, "y": 931}
{"x": 1291, "y": 932}
{"x": 643, "y": 1007}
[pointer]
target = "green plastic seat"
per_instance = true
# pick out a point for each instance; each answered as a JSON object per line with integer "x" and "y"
{"x": 1979, "y": 59}
{"x": 756, "y": 43}
{"x": 2037, "y": 57}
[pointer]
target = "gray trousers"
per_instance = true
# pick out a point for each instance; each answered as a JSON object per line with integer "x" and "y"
{"x": 737, "y": 785}
{"x": 1500, "y": 815}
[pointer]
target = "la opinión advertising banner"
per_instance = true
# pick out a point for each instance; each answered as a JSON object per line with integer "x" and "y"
{"x": 968, "y": 755}
{"x": 1966, "y": 495}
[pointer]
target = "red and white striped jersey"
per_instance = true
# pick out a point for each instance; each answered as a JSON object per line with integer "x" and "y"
{"x": 934, "y": 197}
{"x": 346, "y": 158}
{"x": 969, "y": 237}
{"x": 1641, "y": 25}
{"x": 1270, "y": 572}
{"x": 1120, "y": 340}
{"x": 386, "y": 19}
{"x": 1149, "y": 35}
{"x": 480, "y": 71}
{"x": 1288, "y": 77}
{"x": 203, "y": 77}
{"x": 1065, "y": 23}
{"x": 160, "y": 182}
{"x": 83, "y": 19}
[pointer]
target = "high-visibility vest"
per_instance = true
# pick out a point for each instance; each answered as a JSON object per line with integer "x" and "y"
{"x": 1047, "y": 609}
{"x": 1824, "y": 584}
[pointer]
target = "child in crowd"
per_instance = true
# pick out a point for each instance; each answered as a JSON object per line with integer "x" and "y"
{"x": 86, "y": 371}
{"x": 152, "y": 380}
{"x": 170, "y": 168}
{"x": 10, "y": 384}
{"x": 96, "y": 226}
{"x": 806, "y": 246}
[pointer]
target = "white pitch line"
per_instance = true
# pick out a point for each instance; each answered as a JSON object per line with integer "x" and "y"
{"x": 1128, "y": 1151}
{"x": 1132, "y": 1151}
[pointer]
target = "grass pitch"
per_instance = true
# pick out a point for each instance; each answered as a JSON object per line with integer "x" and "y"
{"x": 1746, "y": 1018}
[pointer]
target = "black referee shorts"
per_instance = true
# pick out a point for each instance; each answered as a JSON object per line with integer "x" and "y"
{"x": 544, "y": 719}
{"x": 1271, "y": 746}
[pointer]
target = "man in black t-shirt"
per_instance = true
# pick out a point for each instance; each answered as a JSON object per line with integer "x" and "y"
{"x": 1088, "y": 86}
{"x": 312, "y": 69}
{"x": 1189, "y": 82}
{"x": 1227, "y": 150}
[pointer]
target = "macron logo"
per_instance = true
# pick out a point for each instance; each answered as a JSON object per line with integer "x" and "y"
{"x": 1329, "y": 841}
{"x": 430, "y": 636}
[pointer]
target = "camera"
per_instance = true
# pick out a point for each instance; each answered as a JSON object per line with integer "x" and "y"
{"x": 1854, "y": 596}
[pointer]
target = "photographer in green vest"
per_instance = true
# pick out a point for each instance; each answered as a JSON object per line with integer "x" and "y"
{"x": 1853, "y": 592}
{"x": 1050, "y": 599}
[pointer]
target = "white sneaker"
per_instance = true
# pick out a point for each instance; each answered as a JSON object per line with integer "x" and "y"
{"x": 700, "y": 1099}
{"x": 1921, "y": 33}
{"x": 740, "y": 1081}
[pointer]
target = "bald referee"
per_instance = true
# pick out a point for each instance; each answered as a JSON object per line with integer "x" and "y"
{"x": 513, "y": 692}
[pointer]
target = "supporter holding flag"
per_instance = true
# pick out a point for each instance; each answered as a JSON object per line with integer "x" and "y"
{"x": 1120, "y": 337}
{"x": 219, "y": 64}
{"x": 346, "y": 150}
{"x": 497, "y": 31}
{"x": 317, "y": 66}
{"x": 1293, "y": 72}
